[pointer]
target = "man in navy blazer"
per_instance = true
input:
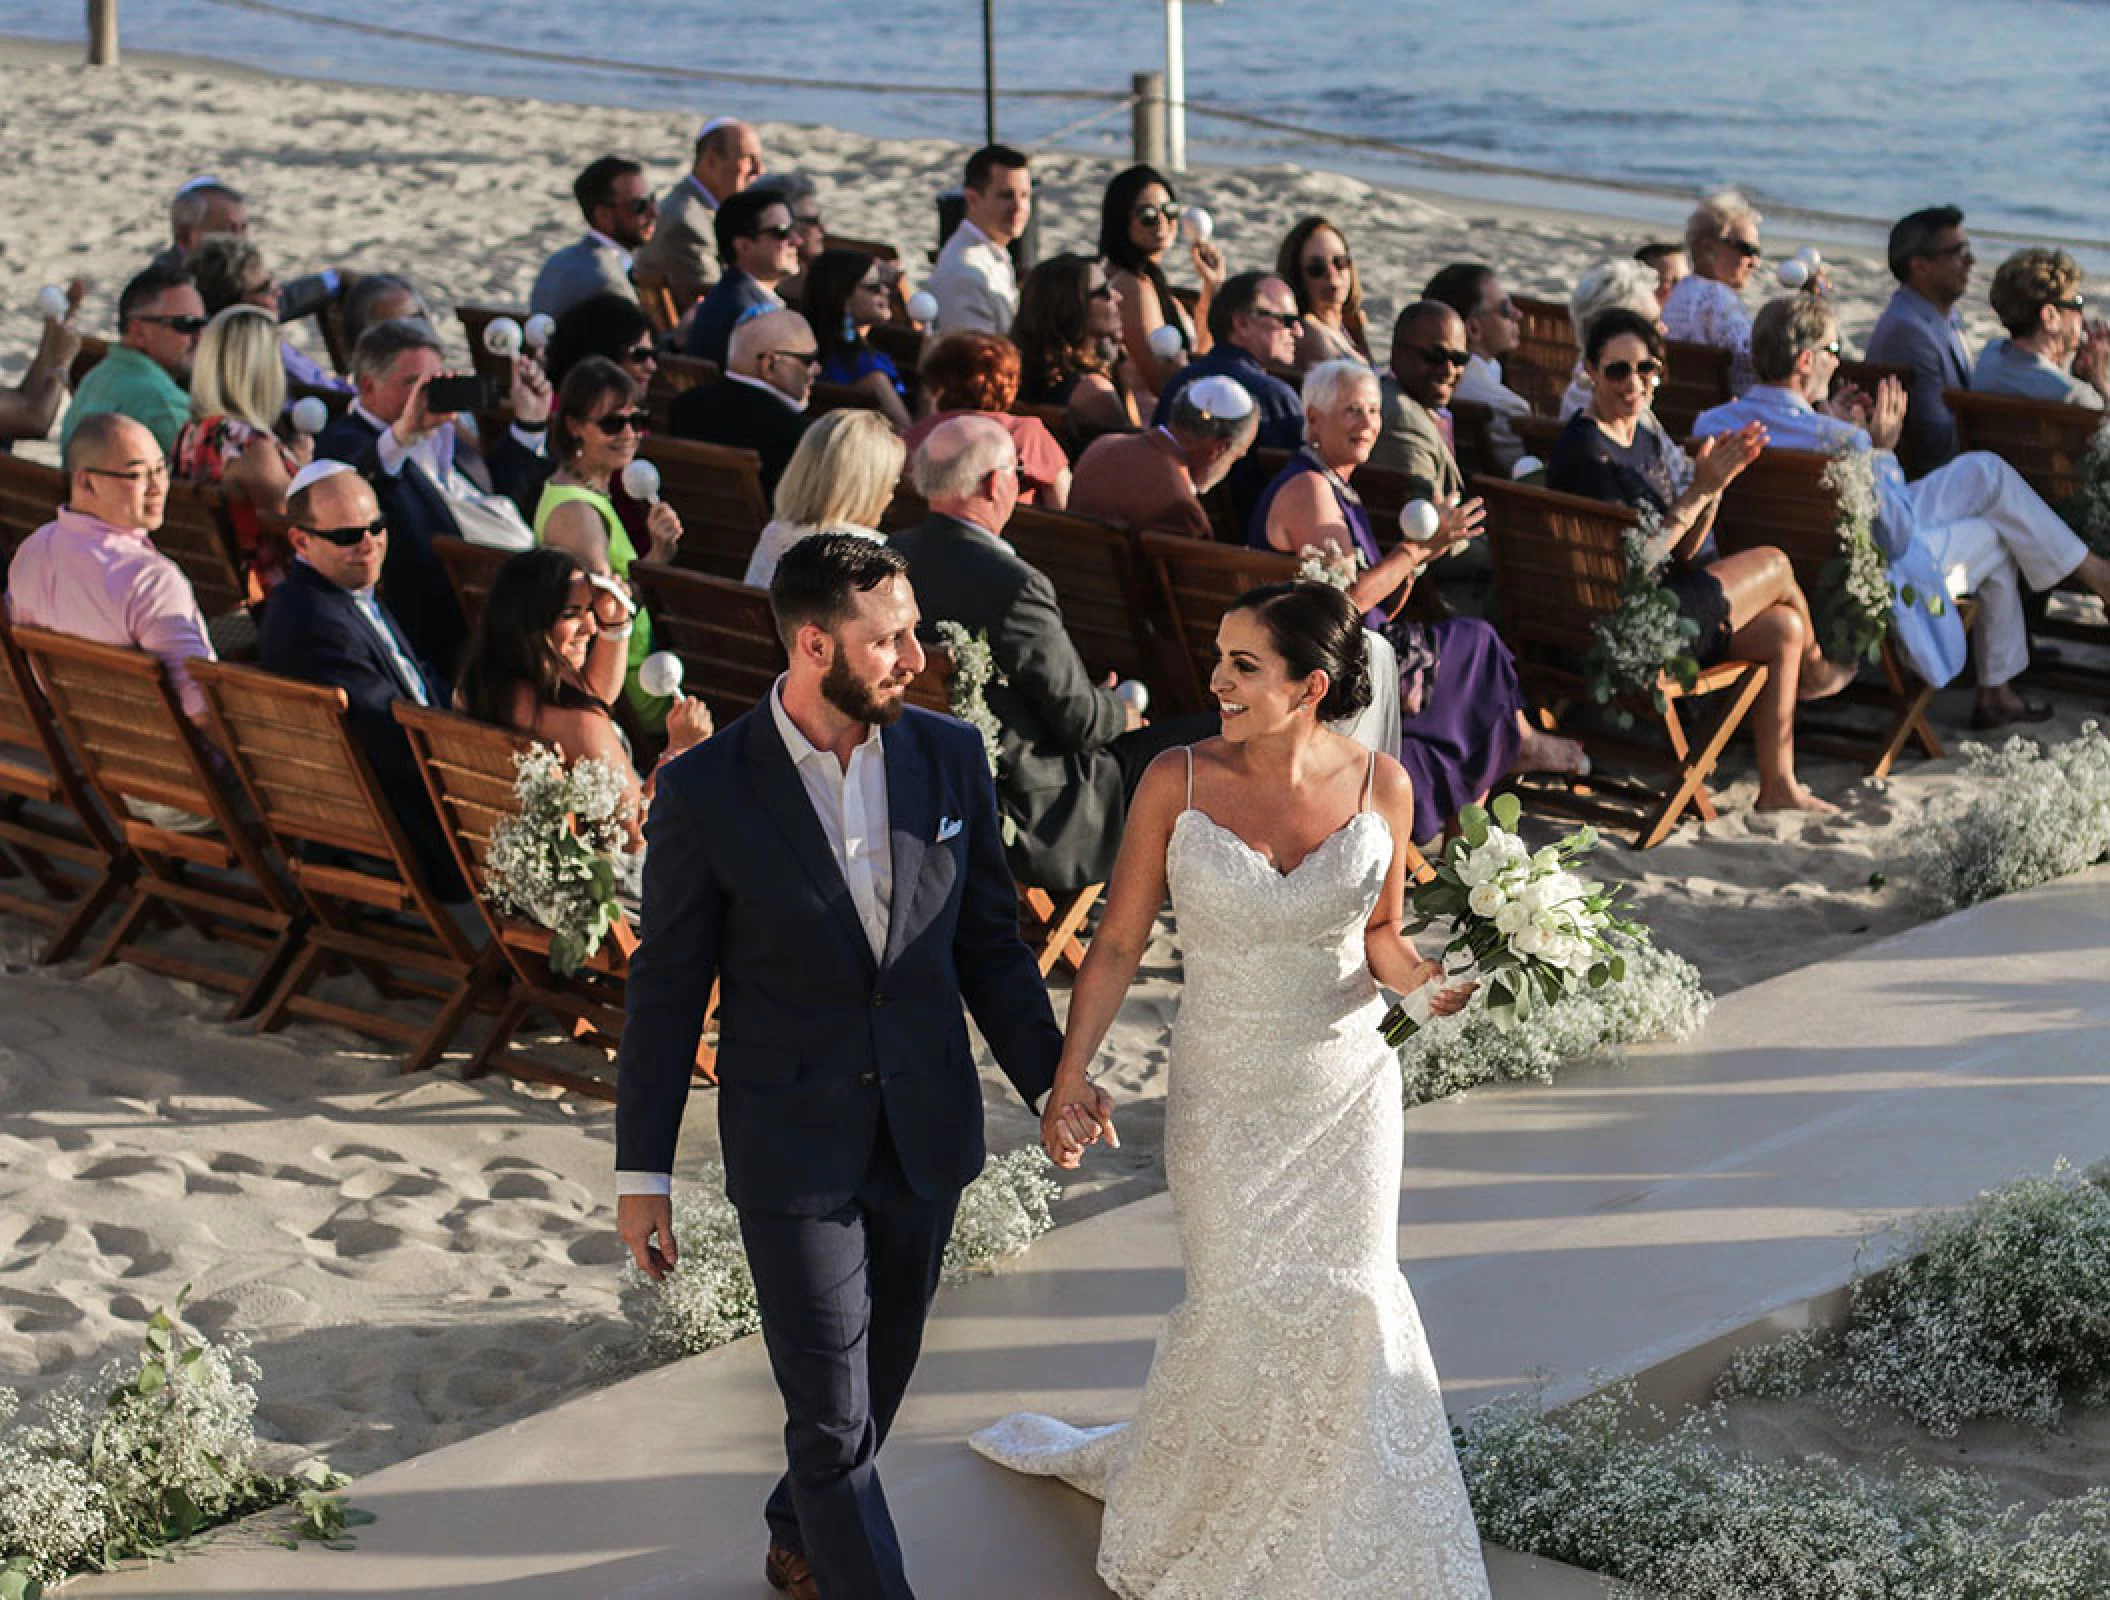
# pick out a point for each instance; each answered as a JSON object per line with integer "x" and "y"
{"x": 325, "y": 624}
{"x": 833, "y": 861}
{"x": 1930, "y": 256}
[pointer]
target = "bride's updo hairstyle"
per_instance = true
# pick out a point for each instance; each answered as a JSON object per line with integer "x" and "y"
{"x": 1314, "y": 628}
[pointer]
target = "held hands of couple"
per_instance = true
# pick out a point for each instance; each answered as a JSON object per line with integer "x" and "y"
{"x": 1078, "y": 1114}
{"x": 645, "y": 1223}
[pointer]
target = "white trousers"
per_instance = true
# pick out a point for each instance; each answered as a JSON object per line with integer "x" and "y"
{"x": 1983, "y": 521}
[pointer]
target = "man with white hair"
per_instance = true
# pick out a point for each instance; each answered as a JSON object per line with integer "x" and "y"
{"x": 1156, "y": 478}
{"x": 760, "y": 403}
{"x": 683, "y": 249}
{"x": 1071, "y": 750}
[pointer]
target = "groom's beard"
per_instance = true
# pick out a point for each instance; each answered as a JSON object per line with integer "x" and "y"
{"x": 854, "y": 698}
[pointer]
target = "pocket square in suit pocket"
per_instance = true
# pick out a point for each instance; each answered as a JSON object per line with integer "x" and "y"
{"x": 949, "y": 828}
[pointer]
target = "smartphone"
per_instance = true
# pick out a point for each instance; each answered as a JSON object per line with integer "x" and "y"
{"x": 463, "y": 392}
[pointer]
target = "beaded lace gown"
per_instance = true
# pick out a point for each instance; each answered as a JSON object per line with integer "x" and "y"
{"x": 1291, "y": 1440}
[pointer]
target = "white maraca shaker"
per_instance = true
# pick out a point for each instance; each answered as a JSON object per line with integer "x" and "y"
{"x": 1793, "y": 273}
{"x": 503, "y": 338}
{"x": 641, "y": 481}
{"x": 1136, "y": 693}
{"x": 1418, "y": 520}
{"x": 1167, "y": 343}
{"x": 310, "y": 415}
{"x": 1197, "y": 225}
{"x": 52, "y": 303}
{"x": 538, "y": 331}
{"x": 660, "y": 674}
{"x": 923, "y": 307}
{"x": 1526, "y": 466}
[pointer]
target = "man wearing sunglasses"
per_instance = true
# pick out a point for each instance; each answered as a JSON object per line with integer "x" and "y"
{"x": 1492, "y": 327}
{"x": 760, "y": 403}
{"x": 620, "y": 213}
{"x": 325, "y": 624}
{"x": 146, "y": 375}
{"x": 1930, "y": 256}
{"x": 758, "y": 249}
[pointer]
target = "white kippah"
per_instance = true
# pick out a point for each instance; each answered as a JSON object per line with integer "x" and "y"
{"x": 203, "y": 181}
{"x": 1218, "y": 396}
{"x": 315, "y": 472}
{"x": 713, "y": 126}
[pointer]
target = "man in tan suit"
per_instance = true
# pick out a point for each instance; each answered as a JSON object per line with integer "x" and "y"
{"x": 1429, "y": 355}
{"x": 683, "y": 249}
{"x": 1156, "y": 478}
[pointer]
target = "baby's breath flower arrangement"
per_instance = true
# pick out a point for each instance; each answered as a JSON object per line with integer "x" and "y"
{"x": 967, "y": 696}
{"x": 1328, "y": 564}
{"x": 1647, "y": 637}
{"x": 2032, "y": 814}
{"x": 1853, "y": 603}
{"x": 1528, "y": 927}
{"x": 563, "y": 858}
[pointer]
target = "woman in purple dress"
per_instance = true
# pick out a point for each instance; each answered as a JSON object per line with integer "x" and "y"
{"x": 1462, "y": 724}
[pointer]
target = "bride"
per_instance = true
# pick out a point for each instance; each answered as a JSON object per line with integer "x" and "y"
{"x": 1292, "y": 1440}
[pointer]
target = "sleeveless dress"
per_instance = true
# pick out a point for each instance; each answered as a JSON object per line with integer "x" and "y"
{"x": 651, "y": 709}
{"x": 1458, "y": 736}
{"x": 1291, "y": 1443}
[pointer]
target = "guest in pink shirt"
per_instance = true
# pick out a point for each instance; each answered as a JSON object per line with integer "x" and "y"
{"x": 94, "y": 572}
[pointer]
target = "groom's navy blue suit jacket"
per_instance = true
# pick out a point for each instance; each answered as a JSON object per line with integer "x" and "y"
{"x": 817, "y": 1041}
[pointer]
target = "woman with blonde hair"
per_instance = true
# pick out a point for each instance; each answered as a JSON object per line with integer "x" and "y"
{"x": 237, "y": 391}
{"x": 841, "y": 479}
{"x": 1707, "y": 306}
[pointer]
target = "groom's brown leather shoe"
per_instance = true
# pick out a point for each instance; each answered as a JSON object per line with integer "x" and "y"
{"x": 787, "y": 1570}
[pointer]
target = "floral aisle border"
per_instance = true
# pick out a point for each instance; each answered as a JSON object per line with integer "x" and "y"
{"x": 2033, "y": 814}
{"x": 1645, "y": 638}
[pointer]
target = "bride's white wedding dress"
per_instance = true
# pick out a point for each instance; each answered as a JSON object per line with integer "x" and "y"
{"x": 1292, "y": 1439}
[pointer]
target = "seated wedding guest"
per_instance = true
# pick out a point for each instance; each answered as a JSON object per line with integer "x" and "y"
{"x": 1706, "y": 306}
{"x": 547, "y": 659}
{"x": 1428, "y": 357}
{"x": 146, "y": 374}
{"x": 1315, "y": 263}
{"x": 1612, "y": 286}
{"x": 1748, "y": 605}
{"x": 379, "y": 297}
{"x": 325, "y": 624}
{"x": 427, "y": 477}
{"x": 841, "y": 479}
{"x": 1493, "y": 325}
{"x": 973, "y": 280}
{"x": 1975, "y": 514}
{"x": 231, "y": 271}
{"x": 594, "y": 433}
{"x": 204, "y": 207}
{"x": 238, "y": 391}
{"x": 846, "y": 297}
{"x": 1254, "y": 322}
{"x": 2051, "y": 351}
{"x": 1669, "y": 263}
{"x": 760, "y": 403}
{"x": 31, "y": 406}
{"x": 1071, "y": 750}
{"x": 802, "y": 196}
{"x": 1462, "y": 724}
{"x": 976, "y": 374}
{"x": 604, "y": 325}
{"x": 683, "y": 248}
{"x": 1139, "y": 218}
{"x": 1921, "y": 327}
{"x": 1068, "y": 333}
{"x": 620, "y": 211}
{"x": 1156, "y": 478}
{"x": 93, "y": 571}
{"x": 757, "y": 250}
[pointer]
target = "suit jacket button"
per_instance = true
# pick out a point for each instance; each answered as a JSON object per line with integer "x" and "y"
{"x": 878, "y": 1000}
{"x": 870, "y": 1080}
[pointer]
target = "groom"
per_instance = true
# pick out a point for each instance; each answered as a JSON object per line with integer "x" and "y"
{"x": 833, "y": 861}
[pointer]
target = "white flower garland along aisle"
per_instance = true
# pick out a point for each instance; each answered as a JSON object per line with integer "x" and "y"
{"x": 1647, "y": 636}
{"x": 967, "y": 695}
{"x": 1852, "y": 605}
{"x": 561, "y": 860}
{"x": 1324, "y": 563}
{"x": 1531, "y": 930}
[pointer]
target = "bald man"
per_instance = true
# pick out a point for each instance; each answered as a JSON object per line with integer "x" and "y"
{"x": 760, "y": 403}
{"x": 683, "y": 249}
{"x": 93, "y": 571}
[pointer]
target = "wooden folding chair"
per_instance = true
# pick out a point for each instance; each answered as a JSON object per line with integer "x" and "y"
{"x": 50, "y": 825}
{"x": 1781, "y": 500}
{"x": 1868, "y": 376}
{"x": 1197, "y": 583}
{"x": 86, "y": 359}
{"x": 469, "y": 772}
{"x": 717, "y": 491}
{"x": 1106, "y": 604}
{"x": 471, "y": 570}
{"x": 195, "y": 534}
{"x": 826, "y": 397}
{"x": 197, "y": 856}
{"x": 30, "y": 496}
{"x": 672, "y": 377}
{"x": 1543, "y": 362}
{"x": 373, "y": 909}
{"x": 1696, "y": 379}
{"x": 336, "y": 338}
{"x": 723, "y": 632}
{"x": 1559, "y": 559}
{"x": 655, "y": 297}
{"x": 1472, "y": 440}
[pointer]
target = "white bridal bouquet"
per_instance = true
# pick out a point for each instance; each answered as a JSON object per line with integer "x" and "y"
{"x": 562, "y": 859}
{"x": 1526, "y": 925}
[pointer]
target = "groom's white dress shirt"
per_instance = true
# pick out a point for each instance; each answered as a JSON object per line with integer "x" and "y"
{"x": 852, "y": 808}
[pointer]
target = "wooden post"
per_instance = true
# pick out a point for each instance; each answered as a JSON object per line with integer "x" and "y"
{"x": 1149, "y": 118}
{"x": 102, "y": 33}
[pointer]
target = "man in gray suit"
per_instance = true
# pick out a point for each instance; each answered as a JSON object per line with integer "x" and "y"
{"x": 683, "y": 249}
{"x": 620, "y": 213}
{"x": 1930, "y": 256}
{"x": 1428, "y": 358}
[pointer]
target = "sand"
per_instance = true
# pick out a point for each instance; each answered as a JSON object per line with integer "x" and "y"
{"x": 423, "y": 1258}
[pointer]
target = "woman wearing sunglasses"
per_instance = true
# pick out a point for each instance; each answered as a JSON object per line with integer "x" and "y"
{"x": 1068, "y": 333}
{"x": 847, "y": 296}
{"x": 594, "y": 433}
{"x": 1315, "y": 263}
{"x": 1747, "y": 606}
{"x": 1707, "y": 307}
{"x": 1138, "y": 221}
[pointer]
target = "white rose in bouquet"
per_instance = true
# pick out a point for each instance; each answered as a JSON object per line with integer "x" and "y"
{"x": 1528, "y": 940}
{"x": 1512, "y": 919}
{"x": 1486, "y": 899}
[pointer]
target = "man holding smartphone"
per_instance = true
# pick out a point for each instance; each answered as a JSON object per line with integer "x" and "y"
{"x": 429, "y": 478}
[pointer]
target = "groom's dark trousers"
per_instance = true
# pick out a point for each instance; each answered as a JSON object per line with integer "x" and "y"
{"x": 848, "y": 1107}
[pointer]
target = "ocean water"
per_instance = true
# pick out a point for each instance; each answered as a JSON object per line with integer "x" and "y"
{"x": 1866, "y": 108}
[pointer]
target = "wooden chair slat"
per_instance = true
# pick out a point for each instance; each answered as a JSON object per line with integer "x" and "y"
{"x": 723, "y": 632}
{"x": 30, "y": 496}
{"x": 1697, "y": 379}
{"x": 718, "y": 493}
{"x": 1099, "y": 585}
